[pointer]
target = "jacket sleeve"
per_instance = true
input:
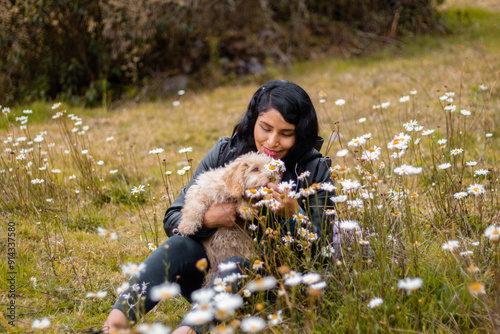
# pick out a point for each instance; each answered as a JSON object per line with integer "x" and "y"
{"x": 173, "y": 214}
{"x": 316, "y": 204}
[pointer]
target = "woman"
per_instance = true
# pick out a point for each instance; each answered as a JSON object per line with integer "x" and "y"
{"x": 281, "y": 122}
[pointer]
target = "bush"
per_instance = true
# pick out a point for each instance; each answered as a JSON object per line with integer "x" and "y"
{"x": 92, "y": 51}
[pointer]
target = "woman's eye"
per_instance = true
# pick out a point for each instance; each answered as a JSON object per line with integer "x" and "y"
{"x": 256, "y": 169}
{"x": 264, "y": 129}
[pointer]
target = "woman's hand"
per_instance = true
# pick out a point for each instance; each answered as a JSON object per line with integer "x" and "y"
{"x": 219, "y": 215}
{"x": 288, "y": 206}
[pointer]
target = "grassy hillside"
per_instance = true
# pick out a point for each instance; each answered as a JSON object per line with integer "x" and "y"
{"x": 408, "y": 220}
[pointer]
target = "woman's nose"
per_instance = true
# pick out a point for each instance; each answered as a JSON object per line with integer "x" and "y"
{"x": 273, "y": 140}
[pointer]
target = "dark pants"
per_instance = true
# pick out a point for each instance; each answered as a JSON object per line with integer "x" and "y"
{"x": 174, "y": 261}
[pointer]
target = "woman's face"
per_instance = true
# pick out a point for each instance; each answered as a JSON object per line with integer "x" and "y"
{"x": 273, "y": 135}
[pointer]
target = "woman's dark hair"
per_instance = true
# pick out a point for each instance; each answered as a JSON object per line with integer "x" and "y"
{"x": 293, "y": 104}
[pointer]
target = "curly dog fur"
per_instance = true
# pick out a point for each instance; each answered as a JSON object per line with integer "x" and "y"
{"x": 225, "y": 184}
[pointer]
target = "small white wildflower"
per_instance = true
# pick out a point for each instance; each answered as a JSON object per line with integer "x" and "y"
{"x": 460, "y": 195}
{"x": 99, "y": 294}
{"x": 186, "y": 150}
{"x": 342, "y": 153}
{"x": 442, "y": 141}
{"x": 450, "y": 108}
{"x": 340, "y": 102}
{"x": 466, "y": 253}
{"x": 357, "y": 141}
{"x": 446, "y": 165}
{"x": 261, "y": 284}
{"x": 122, "y": 288}
{"x": 133, "y": 269}
{"x": 450, "y": 245}
{"x": 327, "y": 186}
{"x": 410, "y": 125}
{"x": 138, "y": 189}
{"x": 227, "y": 266}
{"x": 348, "y": 185}
{"x": 400, "y": 142}
{"x": 310, "y": 278}
{"x": 41, "y": 324}
{"x": 275, "y": 318}
{"x": 198, "y": 317}
{"x": 410, "y": 284}
{"x": 303, "y": 175}
{"x": 492, "y": 232}
{"x": 293, "y": 278}
{"x": 165, "y": 291}
{"x": 349, "y": 225}
{"x": 252, "y": 324}
{"x": 157, "y": 151}
{"x": 481, "y": 172}
{"x": 375, "y": 302}
{"x": 476, "y": 189}
{"x": 338, "y": 199}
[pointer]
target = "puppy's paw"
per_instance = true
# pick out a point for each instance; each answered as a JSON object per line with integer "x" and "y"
{"x": 188, "y": 228}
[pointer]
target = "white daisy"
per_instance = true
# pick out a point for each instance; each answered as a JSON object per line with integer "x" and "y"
{"x": 375, "y": 302}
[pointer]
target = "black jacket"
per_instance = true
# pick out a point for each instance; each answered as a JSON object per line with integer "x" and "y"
{"x": 222, "y": 153}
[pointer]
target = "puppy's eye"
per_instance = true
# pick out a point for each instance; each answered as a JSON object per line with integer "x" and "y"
{"x": 256, "y": 169}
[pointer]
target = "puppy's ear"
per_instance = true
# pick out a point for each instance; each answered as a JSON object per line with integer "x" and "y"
{"x": 234, "y": 179}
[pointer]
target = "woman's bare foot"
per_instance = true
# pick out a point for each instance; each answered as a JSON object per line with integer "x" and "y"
{"x": 184, "y": 330}
{"x": 115, "y": 322}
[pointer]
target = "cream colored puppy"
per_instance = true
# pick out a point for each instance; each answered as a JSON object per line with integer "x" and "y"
{"x": 226, "y": 184}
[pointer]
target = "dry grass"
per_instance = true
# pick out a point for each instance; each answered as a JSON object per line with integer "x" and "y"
{"x": 77, "y": 260}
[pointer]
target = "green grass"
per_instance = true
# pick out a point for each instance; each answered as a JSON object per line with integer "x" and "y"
{"x": 58, "y": 244}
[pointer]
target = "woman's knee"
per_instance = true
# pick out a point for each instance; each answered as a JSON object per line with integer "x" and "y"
{"x": 181, "y": 247}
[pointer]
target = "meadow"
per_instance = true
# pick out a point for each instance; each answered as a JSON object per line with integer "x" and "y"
{"x": 413, "y": 135}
